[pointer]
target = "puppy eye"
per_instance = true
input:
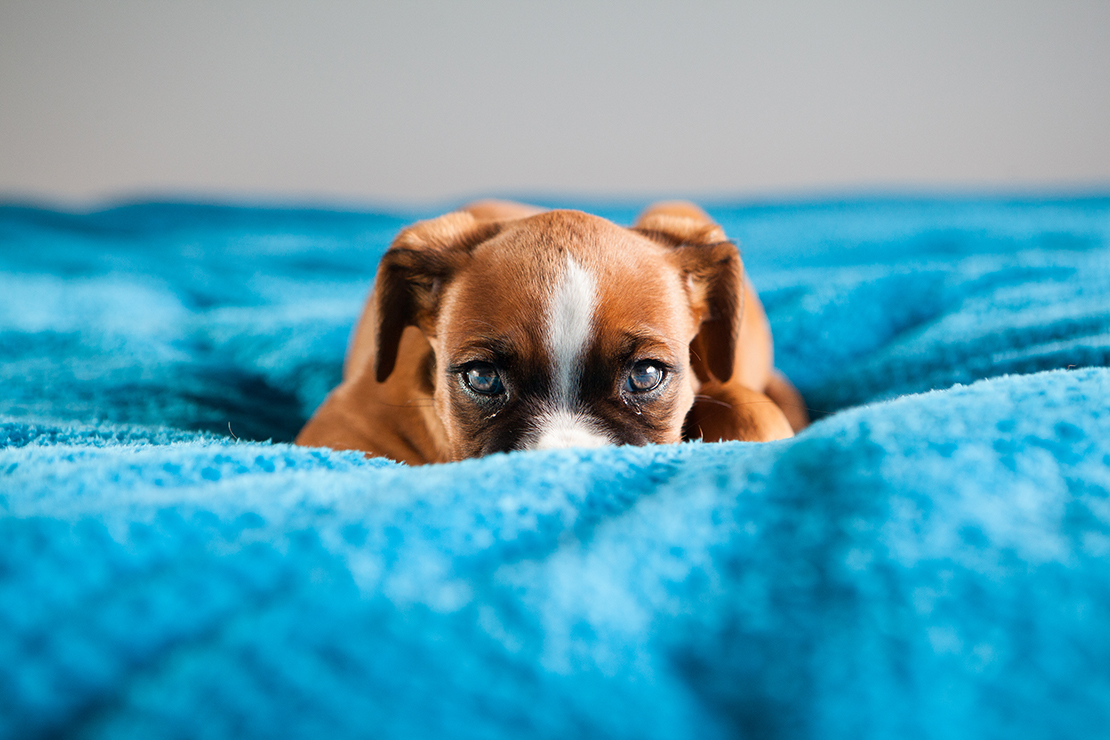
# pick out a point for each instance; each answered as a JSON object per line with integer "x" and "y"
{"x": 481, "y": 377}
{"x": 646, "y": 375}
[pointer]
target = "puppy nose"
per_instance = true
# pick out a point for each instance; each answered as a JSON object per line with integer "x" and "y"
{"x": 564, "y": 429}
{"x": 563, "y": 438}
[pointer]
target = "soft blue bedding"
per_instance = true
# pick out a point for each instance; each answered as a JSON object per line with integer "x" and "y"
{"x": 931, "y": 559}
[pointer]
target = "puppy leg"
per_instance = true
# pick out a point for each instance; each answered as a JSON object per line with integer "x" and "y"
{"x": 783, "y": 393}
{"x": 733, "y": 412}
{"x": 753, "y": 367}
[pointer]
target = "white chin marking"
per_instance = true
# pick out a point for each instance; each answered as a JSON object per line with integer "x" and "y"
{"x": 570, "y": 318}
{"x": 563, "y": 429}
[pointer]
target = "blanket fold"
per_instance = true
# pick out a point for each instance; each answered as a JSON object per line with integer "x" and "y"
{"x": 928, "y": 560}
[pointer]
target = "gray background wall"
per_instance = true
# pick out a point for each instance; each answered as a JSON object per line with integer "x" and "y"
{"x": 437, "y": 100}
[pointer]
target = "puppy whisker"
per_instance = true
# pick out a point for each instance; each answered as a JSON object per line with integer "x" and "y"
{"x": 710, "y": 399}
{"x": 758, "y": 403}
{"x": 412, "y": 402}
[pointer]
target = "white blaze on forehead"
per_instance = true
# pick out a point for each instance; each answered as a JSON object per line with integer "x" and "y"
{"x": 570, "y": 318}
{"x": 570, "y": 327}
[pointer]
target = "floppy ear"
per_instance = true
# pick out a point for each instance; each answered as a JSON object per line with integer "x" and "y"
{"x": 412, "y": 274}
{"x": 714, "y": 277}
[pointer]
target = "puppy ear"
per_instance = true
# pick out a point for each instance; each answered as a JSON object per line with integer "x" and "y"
{"x": 714, "y": 279}
{"x": 412, "y": 274}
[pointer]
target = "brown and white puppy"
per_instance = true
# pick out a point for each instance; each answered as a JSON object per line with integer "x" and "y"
{"x": 505, "y": 327}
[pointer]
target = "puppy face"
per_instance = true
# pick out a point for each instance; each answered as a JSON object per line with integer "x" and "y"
{"x": 558, "y": 330}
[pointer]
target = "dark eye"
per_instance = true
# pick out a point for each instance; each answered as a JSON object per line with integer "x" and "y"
{"x": 482, "y": 377}
{"x": 646, "y": 375}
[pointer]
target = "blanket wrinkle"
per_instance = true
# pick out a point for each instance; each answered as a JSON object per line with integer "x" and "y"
{"x": 930, "y": 559}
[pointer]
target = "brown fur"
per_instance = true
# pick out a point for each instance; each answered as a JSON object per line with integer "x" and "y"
{"x": 466, "y": 287}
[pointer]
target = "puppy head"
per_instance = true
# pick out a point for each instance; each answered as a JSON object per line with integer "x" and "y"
{"x": 561, "y": 329}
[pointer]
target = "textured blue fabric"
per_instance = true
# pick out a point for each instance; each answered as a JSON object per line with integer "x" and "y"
{"x": 929, "y": 560}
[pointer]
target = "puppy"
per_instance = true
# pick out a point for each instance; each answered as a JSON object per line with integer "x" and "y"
{"x": 506, "y": 327}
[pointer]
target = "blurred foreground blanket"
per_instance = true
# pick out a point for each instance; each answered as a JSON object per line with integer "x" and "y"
{"x": 929, "y": 560}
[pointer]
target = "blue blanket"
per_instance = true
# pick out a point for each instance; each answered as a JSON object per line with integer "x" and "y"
{"x": 931, "y": 559}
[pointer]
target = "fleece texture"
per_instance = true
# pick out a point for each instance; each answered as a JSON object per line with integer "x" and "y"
{"x": 931, "y": 559}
